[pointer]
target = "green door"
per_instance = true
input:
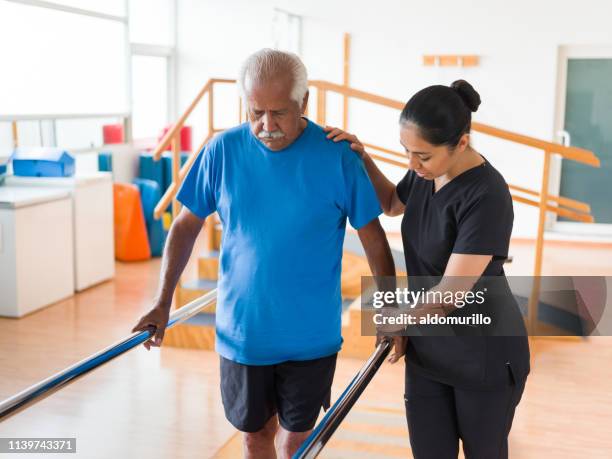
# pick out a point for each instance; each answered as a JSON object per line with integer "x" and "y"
{"x": 588, "y": 119}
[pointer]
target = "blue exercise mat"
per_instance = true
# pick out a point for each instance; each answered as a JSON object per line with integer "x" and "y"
{"x": 151, "y": 170}
{"x": 150, "y": 194}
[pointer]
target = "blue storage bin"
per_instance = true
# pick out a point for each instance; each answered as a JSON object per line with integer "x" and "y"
{"x": 167, "y": 165}
{"x": 105, "y": 161}
{"x": 151, "y": 170}
{"x": 42, "y": 162}
{"x": 150, "y": 194}
{"x": 2, "y": 173}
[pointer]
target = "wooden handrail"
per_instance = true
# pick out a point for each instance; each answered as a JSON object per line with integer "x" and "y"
{"x": 586, "y": 218}
{"x": 172, "y": 190}
{"x": 574, "y": 153}
{"x": 567, "y": 202}
{"x": 357, "y": 94}
{"x": 577, "y": 216}
{"x": 384, "y": 150}
{"x": 179, "y": 124}
{"x": 181, "y": 121}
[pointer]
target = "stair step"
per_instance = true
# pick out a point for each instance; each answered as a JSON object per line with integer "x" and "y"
{"x": 208, "y": 265}
{"x": 193, "y": 289}
{"x": 203, "y": 319}
{"x": 205, "y": 285}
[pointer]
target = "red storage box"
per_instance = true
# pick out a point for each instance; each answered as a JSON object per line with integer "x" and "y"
{"x": 185, "y": 137}
{"x": 112, "y": 133}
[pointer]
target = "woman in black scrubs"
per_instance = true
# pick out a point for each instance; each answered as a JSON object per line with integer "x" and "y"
{"x": 457, "y": 220}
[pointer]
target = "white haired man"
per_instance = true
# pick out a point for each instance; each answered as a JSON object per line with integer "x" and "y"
{"x": 283, "y": 193}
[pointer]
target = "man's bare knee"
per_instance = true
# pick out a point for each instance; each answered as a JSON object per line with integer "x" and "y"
{"x": 260, "y": 444}
{"x": 289, "y": 442}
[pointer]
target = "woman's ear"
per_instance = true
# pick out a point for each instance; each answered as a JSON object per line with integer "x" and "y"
{"x": 464, "y": 142}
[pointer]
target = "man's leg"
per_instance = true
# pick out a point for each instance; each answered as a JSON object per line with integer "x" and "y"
{"x": 260, "y": 445}
{"x": 287, "y": 443}
{"x": 302, "y": 388}
{"x": 248, "y": 397}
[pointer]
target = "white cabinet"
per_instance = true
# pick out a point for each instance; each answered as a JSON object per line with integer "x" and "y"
{"x": 36, "y": 249}
{"x": 92, "y": 201}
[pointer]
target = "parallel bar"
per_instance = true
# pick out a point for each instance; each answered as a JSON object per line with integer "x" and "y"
{"x": 53, "y": 383}
{"x": 315, "y": 442}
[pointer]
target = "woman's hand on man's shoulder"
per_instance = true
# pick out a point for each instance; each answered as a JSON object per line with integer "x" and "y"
{"x": 337, "y": 134}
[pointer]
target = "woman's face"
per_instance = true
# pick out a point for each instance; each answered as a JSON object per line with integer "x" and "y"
{"x": 426, "y": 160}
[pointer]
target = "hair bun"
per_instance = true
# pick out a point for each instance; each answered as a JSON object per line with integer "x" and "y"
{"x": 467, "y": 92}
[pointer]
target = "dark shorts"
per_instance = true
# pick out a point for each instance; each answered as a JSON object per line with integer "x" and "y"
{"x": 295, "y": 390}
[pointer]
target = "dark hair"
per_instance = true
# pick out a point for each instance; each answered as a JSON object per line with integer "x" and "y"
{"x": 442, "y": 113}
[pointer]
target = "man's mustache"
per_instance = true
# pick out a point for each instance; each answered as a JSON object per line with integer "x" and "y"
{"x": 270, "y": 135}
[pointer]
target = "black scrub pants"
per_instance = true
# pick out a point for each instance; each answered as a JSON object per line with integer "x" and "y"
{"x": 439, "y": 415}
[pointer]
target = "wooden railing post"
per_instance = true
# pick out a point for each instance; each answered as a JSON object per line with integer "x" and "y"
{"x": 176, "y": 166}
{"x": 321, "y": 105}
{"x": 534, "y": 298}
{"x": 15, "y": 134}
{"x": 211, "y": 110}
{"x": 345, "y": 79}
{"x": 209, "y": 223}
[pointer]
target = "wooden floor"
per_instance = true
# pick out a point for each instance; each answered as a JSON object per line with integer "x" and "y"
{"x": 166, "y": 403}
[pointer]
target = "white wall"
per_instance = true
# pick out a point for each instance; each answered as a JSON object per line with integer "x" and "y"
{"x": 517, "y": 43}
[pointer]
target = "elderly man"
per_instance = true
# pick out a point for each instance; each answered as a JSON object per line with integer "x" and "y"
{"x": 283, "y": 193}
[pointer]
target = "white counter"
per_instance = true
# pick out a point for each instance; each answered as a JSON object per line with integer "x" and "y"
{"x": 36, "y": 249}
{"x": 92, "y": 201}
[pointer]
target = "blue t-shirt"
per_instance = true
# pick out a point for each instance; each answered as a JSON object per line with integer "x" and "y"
{"x": 284, "y": 217}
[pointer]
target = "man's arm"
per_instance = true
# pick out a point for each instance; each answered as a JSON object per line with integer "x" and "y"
{"x": 374, "y": 242}
{"x": 179, "y": 244}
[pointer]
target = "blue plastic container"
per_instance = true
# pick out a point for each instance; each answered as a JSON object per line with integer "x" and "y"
{"x": 150, "y": 194}
{"x": 167, "y": 165}
{"x": 151, "y": 170}
{"x": 105, "y": 161}
{"x": 42, "y": 162}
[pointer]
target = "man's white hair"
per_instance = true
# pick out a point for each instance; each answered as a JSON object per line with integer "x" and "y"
{"x": 268, "y": 63}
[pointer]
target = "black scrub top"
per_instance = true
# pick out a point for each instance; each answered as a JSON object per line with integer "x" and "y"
{"x": 471, "y": 214}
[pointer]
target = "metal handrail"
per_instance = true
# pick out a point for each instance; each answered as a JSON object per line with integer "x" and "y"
{"x": 53, "y": 383}
{"x": 315, "y": 442}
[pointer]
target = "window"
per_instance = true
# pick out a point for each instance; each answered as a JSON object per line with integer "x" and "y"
{"x": 149, "y": 95}
{"x": 61, "y": 62}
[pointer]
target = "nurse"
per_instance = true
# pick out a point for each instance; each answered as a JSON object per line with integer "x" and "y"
{"x": 457, "y": 221}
